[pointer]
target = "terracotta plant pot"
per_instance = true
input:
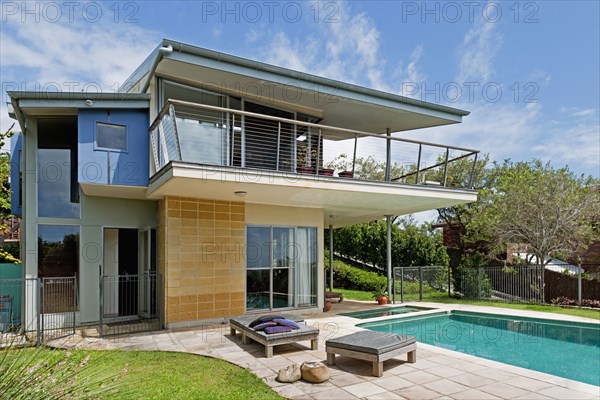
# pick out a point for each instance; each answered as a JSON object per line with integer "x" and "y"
{"x": 305, "y": 170}
{"x": 382, "y": 300}
{"x": 346, "y": 174}
{"x": 325, "y": 172}
{"x": 327, "y": 306}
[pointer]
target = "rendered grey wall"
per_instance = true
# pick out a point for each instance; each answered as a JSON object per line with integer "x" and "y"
{"x": 98, "y": 213}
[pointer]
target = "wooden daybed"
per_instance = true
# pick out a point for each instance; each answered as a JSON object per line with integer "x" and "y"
{"x": 270, "y": 340}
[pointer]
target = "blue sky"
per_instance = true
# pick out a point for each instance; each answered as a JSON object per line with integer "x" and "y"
{"x": 528, "y": 71}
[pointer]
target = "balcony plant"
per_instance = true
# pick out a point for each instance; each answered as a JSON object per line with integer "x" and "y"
{"x": 305, "y": 157}
{"x": 381, "y": 296}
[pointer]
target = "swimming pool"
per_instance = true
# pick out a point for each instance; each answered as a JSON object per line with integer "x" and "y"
{"x": 567, "y": 349}
{"x": 384, "y": 312}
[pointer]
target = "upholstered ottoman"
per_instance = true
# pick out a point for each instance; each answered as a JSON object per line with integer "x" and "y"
{"x": 372, "y": 346}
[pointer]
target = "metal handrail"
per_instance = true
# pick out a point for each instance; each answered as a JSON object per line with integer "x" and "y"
{"x": 166, "y": 143}
{"x": 352, "y": 132}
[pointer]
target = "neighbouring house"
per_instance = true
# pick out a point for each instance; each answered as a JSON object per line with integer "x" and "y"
{"x": 200, "y": 191}
{"x": 11, "y": 234}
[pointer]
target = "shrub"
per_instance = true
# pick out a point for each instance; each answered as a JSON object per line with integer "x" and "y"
{"x": 471, "y": 280}
{"x": 566, "y": 301}
{"x": 354, "y": 278}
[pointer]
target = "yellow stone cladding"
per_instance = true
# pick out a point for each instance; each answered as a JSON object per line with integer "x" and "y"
{"x": 201, "y": 257}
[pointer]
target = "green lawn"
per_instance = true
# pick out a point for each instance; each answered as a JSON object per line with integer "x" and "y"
{"x": 159, "y": 375}
{"x": 440, "y": 297}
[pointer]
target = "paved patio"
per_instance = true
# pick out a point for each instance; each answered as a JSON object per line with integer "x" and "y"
{"x": 438, "y": 373}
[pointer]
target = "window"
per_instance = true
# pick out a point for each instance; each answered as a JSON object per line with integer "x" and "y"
{"x": 281, "y": 267}
{"x": 58, "y": 251}
{"x": 111, "y": 137}
{"x": 57, "y": 183}
{"x": 55, "y": 186}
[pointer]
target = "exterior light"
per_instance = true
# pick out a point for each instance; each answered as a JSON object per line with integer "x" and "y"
{"x": 240, "y": 193}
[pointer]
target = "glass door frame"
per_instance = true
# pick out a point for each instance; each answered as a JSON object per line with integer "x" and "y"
{"x": 293, "y": 267}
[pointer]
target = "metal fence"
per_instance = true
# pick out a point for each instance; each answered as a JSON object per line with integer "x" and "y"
{"x": 573, "y": 285}
{"x": 44, "y": 308}
{"x": 515, "y": 284}
{"x": 555, "y": 283}
{"x": 59, "y": 303}
{"x": 419, "y": 283}
{"x": 130, "y": 303}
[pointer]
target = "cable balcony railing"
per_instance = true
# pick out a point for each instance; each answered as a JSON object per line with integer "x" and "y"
{"x": 209, "y": 135}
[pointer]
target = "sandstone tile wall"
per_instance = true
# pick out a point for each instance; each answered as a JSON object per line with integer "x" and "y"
{"x": 201, "y": 257}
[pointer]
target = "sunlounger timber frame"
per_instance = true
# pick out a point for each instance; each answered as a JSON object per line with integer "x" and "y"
{"x": 270, "y": 340}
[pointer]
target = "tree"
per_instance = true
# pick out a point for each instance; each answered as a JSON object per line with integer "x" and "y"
{"x": 5, "y": 193}
{"x": 365, "y": 167}
{"x": 457, "y": 219}
{"x": 412, "y": 246}
{"x": 551, "y": 211}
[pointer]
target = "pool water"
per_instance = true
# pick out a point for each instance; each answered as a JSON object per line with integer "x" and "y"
{"x": 384, "y": 312}
{"x": 567, "y": 349}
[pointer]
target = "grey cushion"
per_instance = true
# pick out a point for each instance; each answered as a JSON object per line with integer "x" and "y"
{"x": 371, "y": 342}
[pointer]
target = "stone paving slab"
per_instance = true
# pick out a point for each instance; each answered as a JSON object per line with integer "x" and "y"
{"x": 437, "y": 374}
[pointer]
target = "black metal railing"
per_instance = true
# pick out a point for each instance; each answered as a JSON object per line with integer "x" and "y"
{"x": 129, "y": 303}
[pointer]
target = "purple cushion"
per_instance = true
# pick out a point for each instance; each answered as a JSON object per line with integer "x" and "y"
{"x": 278, "y": 329}
{"x": 286, "y": 322}
{"x": 263, "y": 325}
{"x": 265, "y": 318}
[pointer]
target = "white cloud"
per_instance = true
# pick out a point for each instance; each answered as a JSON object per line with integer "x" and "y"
{"x": 350, "y": 52}
{"x": 478, "y": 51}
{"x": 575, "y": 145}
{"x": 75, "y": 56}
{"x": 412, "y": 72}
{"x": 585, "y": 113}
{"x": 578, "y": 112}
{"x": 254, "y": 35}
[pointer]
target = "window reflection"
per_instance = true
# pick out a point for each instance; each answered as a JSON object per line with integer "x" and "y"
{"x": 58, "y": 250}
{"x": 281, "y": 267}
{"x": 54, "y": 184}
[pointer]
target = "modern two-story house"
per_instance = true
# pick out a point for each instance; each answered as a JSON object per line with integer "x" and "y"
{"x": 216, "y": 176}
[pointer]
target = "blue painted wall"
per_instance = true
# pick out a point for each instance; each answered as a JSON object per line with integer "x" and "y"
{"x": 16, "y": 147}
{"x": 126, "y": 168}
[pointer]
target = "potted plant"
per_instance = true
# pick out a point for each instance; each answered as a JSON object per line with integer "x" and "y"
{"x": 305, "y": 157}
{"x": 325, "y": 171}
{"x": 381, "y": 295}
{"x": 346, "y": 174}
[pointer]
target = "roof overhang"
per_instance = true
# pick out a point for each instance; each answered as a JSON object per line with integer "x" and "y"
{"x": 344, "y": 201}
{"x": 338, "y": 103}
{"x": 115, "y": 191}
{"x": 68, "y": 103}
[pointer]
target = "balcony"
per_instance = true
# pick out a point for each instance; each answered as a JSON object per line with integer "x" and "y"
{"x": 203, "y": 134}
{"x": 311, "y": 164}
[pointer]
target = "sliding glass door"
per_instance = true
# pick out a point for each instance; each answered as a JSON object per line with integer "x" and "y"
{"x": 281, "y": 265}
